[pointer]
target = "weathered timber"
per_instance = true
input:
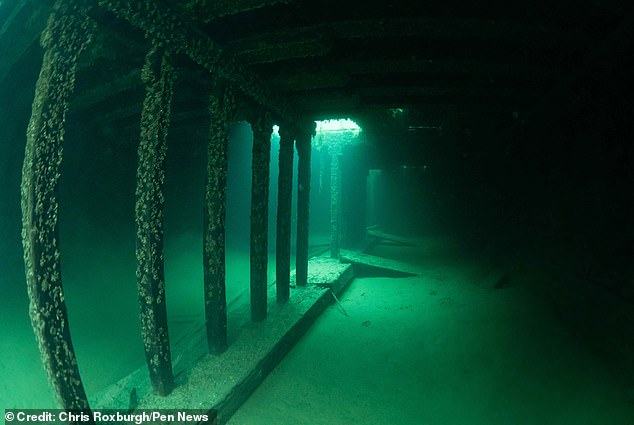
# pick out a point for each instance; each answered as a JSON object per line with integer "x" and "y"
{"x": 208, "y": 10}
{"x": 284, "y": 201}
{"x": 67, "y": 34}
{"x": 162, "y": 23}
{"x": 308, "y": 303}
{"x": 335, "y": 203}
{"x": 257, "y": 349}
{"x": 158, "y": 75}
{"x": 303, "y": 146}
{"x": 106, "y": 91}
{"x": 338, "y": 74}
{"x": 261, "y": 126}
{"x": 317, "y": 45}
{"x": 428, "y": 28}
{"x": 375, "y": 263}
{"x": 221, "y": 110}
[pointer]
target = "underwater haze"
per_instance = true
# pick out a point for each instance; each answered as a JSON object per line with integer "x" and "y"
{"x": 493, "y": 275}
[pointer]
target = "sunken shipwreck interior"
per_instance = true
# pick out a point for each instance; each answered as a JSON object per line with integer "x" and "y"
{"x": 318, "y": 212}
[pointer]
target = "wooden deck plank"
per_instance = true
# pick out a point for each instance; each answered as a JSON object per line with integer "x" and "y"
{"x": 224, "y": 382}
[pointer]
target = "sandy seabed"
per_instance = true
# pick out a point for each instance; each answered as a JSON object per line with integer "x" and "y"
{"x": 443, "y": 347}
{"x": 103, "y": 315}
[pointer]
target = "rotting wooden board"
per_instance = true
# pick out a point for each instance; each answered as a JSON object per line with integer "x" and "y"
{"x": 224, "y": 382}
{"x": 392, "y": 238}
{"x": 327, "y": 272}
{"x": 243, "y": 389}
{"x": 378, "y": 262}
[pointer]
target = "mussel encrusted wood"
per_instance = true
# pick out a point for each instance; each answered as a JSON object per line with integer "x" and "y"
{"x": 221, "y": 111}
{"x": 67, "y": 34}
{"x": 262, "y": 128}
{"x": 158, "y": 76}
{"x": 284, "y": 202}
{"x": 303, "y": 204}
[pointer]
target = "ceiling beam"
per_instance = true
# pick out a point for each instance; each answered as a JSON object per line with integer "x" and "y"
{"x": 314, "y": 46}
{"x": 339, "y": 74}
{"x": 183, "y": 36}
{"x": 208, "y": 10}
{"x": 432, "y": 29}
{"x": 351, "y": 100}
{"x": 310, "y": 78}
{"x": 467, "y": 93}
{"x": 454, "y": 67}
{"x": 106, "y": 90}
{"x": 328, "y": 102}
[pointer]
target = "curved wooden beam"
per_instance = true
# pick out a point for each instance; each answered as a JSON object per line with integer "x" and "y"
{"x": 67, "y": 34}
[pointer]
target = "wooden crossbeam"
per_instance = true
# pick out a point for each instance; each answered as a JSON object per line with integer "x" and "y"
{"x": 431, "y": 29}
{"x": 183, "y": 36}
{"x": 310, "y": 77}
{"x": 208, "y": 10}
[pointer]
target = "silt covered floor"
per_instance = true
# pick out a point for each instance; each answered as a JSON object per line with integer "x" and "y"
{"x": 442, "y": 347}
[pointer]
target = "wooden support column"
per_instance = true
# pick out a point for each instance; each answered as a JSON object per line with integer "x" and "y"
{"x": 335, "y": 201}
{"x": 158, "y": 76}
{"x": 221, "y": 111}
{"x": 67, "y": 34}
{"x": 284, "y": 201}
{"x": 262, "y": 127}
{"x": 303, "y": 203}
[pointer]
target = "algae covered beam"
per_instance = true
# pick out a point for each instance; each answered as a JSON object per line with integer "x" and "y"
{"x": 261, "y": 126}
{"x": 67, "y": 34}
{"x": 284, "y": 201}
{"x": 335, "y": 200}
{"x": 162, "y": 23}
{"x": 303, "y": 202}
{"x": 158, "y": 76}
{"x": 221, "y": 110}
{"x": 208, "y": 10}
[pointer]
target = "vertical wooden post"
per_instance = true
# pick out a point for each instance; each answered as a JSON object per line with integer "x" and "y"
{"x": 262, "y": 127}
{"x": 221, "y": 108}
{"x": 284, "y": 201}
{"x": 303, "y": 203}
{"x": 158, "y": 76}
{"x": 335, "y": 202}
{"x": 67, "y": 34}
